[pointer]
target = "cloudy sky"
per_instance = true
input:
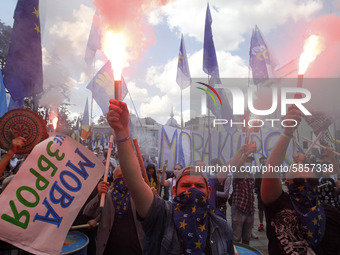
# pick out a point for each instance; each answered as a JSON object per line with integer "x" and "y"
{"x": 156, "y": 28}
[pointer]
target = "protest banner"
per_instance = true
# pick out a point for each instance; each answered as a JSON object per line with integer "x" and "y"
{"x": 223, "y": 145}
{"x": 40, "y": 204}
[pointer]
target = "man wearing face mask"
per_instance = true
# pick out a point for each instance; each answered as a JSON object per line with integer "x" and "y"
{"x": 119, "y": 231}
{"x": 184, "y": 226}
{"x": 297, "y": 223}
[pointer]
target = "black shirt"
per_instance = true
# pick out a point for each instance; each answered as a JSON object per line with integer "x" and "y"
{"x": 123, "y": 237}
{"x": 285, "y": 234}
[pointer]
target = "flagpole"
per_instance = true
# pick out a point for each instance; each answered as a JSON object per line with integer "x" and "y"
{"x": 137, "y": 114}
{"x": 209, "y": 132}
{"x": 181, "y": 144}
{"x": 181, "y": 109}
{"x": 91, "y": 118}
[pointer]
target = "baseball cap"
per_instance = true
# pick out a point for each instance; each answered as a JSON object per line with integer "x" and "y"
{"x": 191, "y": 170}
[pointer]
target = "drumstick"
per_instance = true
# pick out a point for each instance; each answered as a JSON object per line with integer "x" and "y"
{"x": 321, "y": 146}
{"x": 107, "y": 165}
{"x": 82, "y": 226}
{"x": 140, "y": 159}
{"x": 313, "y": 143}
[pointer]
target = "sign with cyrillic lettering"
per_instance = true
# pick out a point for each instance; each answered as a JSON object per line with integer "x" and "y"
{"x": 40, "y": 204}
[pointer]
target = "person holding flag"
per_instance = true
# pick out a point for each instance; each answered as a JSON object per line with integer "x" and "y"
{"x": 119, "y": 230}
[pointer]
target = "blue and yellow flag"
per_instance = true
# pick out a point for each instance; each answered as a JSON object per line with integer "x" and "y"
{"x": 102, "y": 87}
{"x": 23, "y": 69}
{"x": 85, "y": 123}
{"x": 259, "y": 57}
{"x": 183, "y": 78}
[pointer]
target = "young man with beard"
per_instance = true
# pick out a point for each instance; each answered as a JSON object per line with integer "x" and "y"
{"x": 185, "y": 226}
{"x": 119, "y": 231}
{"x": 297, "y": 223}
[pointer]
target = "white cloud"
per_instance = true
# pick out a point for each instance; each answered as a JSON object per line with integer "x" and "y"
{"x": 157, "y": 107}
{"x": 75, "y": 32}
{"x": 233, "y": 20}
{"x": 138, "y": 94}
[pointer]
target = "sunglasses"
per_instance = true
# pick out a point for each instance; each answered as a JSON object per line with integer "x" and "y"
{"x": 311, "y": 181}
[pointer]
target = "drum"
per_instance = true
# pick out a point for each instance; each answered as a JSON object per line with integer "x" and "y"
{"x": 75, "y": 243}
{"x": 25, "y": 123}
{"x": 242, "y": 249}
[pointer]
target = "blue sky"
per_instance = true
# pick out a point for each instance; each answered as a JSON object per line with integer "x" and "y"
{"x": 152, "y": 81}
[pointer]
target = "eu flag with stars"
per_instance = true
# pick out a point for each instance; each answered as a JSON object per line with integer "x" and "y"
{"x": 210, "y": 65}
{"x": 183, "y": 78}
{"x": 259, "y": 57}
{"x": 23, "y": 69}
{"x": 102, "y": 87}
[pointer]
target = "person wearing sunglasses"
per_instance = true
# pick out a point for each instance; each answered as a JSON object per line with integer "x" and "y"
{"x": 297, "y": 223}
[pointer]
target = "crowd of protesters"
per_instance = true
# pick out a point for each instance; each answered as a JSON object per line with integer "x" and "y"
{"x": 184, "y": 210}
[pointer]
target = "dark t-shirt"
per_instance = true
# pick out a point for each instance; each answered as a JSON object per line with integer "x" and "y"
{"x": 285, "y": 234}
{"x": 123, "y": 238}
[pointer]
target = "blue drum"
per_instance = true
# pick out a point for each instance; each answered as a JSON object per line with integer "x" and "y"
{"x": 75, "y": 243}
{"x": 242, "y": 249}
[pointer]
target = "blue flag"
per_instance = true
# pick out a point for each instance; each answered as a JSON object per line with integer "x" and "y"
{"x": 3, "y": 99}
{"x": 210, "y": 65}
{"x": 259, "y": 57}
{"x": 93, "y": 43}
{"x": 183, "y": 73}
{"x": 23, "y": 69}
{"x": 15, "y": 104}
{"x": 102, "y": 87}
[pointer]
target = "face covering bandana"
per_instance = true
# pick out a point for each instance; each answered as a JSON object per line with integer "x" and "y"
{"x": 120, "y": 197}
{"x": 191, "y": 220}
{"x": 310, "y": 213}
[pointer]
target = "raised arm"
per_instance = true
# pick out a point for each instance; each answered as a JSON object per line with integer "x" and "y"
{"x": 232, "y": 162}
{"x": 118, "y": 119}
{"x": 16, "y": 144}
{"x": 163, "y": 181}
{"x": 271, "y": 187}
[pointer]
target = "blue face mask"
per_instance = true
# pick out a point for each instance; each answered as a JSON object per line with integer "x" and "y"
{"x": 120, "y": 197}
{"x": 310, "y": 213}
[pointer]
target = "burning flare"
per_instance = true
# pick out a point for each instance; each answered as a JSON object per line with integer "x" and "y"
{"x": 311, "y": 49}
{"x": 114, "y": 49}
{"x": 55, "y": 122}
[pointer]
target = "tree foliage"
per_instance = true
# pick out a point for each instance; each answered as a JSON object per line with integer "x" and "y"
{"x": 5, "y": 39}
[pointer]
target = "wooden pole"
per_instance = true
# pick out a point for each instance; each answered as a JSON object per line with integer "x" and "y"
{"x": 313, "y": 143}
{"x": 82, "y": 226}
{"x": 321, "y": 146}
{"x": 107, "y": 165}
{"x": 140, "y": 159}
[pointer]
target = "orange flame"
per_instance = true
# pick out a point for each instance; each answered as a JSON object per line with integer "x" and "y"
{"x": 311, "y": 49}
{"x": 55, "y": 122}
{"x": 114, "y": 49}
